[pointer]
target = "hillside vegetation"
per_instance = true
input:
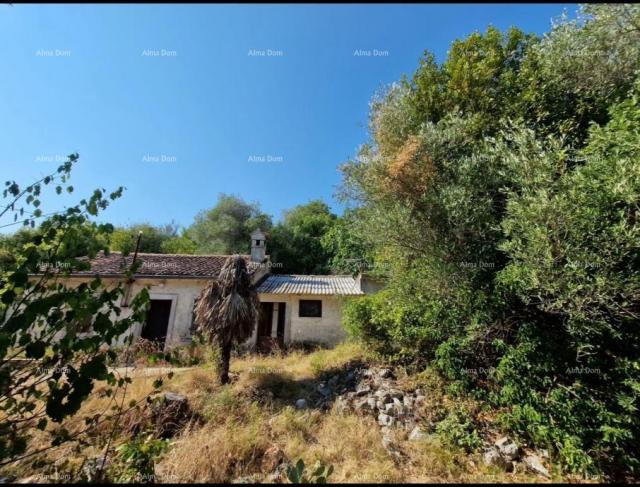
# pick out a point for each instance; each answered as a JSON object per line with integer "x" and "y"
{"x": 504, "y": 187}
{"x": 250, "y": 431}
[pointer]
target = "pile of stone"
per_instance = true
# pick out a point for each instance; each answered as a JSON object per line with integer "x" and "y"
{"x": 376, "y": 394}
{"x": 328, "y": 391}
{"x": 372, "y": 392}
{"x": 507, "y": 455}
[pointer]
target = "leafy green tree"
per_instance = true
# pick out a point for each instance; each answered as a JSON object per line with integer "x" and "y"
{"x": 179, "y": 245}
{"x": 573, "y": 74}
{"x": 226, "y": 228}
{"x": 9, "y": 245}
{"x": 502, "y": 189}
{"x": 348, "y": 248}
{"x": 152, "y": 241}
{"x": 59, "y": 332}
{"x": 570, "y": 234}
{"x": 296, "y": 242}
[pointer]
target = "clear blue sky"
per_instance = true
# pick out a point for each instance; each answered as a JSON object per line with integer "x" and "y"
{"x": 179, "y": 127}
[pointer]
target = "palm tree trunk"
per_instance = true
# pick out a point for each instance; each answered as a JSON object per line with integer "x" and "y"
{"x": 225, "y": 358}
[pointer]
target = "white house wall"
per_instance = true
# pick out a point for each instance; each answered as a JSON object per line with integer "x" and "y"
{"x": 326, "y": 330}
{"x": 183, "y": 292}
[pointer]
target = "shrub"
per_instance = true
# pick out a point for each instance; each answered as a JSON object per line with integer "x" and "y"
{"x": 136, "y": 459}
{"x": 458, "y": 430}
{"x": 572, "y": 375}
{"x": 319, "y": 475}
{"x": 512, "y": 233}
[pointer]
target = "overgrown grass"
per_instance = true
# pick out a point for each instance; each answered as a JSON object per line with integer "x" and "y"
{"x": 251, "y": 428}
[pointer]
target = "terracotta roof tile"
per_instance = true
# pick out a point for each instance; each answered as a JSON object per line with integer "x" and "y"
{"x": 161, "y": 265}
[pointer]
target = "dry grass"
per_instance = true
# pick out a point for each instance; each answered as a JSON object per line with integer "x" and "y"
{"x": 251, "y": 428}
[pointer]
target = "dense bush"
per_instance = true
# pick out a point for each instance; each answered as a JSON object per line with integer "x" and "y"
{"x": 505, "y": 193}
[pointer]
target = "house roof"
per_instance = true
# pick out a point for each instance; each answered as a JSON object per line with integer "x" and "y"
{"x": 161, "y": 265}
{"x": 300, "y": 284}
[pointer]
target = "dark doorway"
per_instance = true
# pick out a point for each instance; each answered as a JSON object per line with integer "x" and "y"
{"x": 264, "y": 326}
{"x": 155, "y": 329}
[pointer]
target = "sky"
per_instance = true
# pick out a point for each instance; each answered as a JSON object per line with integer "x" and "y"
{"x": 179, "y": 103}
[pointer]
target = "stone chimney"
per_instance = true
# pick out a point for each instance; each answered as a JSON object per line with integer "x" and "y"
{"x": 258, "y": 246}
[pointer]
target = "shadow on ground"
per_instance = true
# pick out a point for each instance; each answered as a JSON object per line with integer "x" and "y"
{"x": 282, "y": 389}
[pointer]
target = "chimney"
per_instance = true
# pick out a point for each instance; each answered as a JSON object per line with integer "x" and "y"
{"x": 258, "y": 246}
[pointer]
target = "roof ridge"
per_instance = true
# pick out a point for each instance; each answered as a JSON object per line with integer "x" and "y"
{"x": 177, "y": 255}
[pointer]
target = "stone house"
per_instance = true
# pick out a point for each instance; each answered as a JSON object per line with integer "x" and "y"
{"x": 293, "y": 308}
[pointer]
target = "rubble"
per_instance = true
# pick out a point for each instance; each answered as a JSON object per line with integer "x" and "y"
{"x": 374, "y": 392}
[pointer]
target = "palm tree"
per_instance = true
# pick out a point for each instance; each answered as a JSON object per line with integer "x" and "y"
{"x": 226, "y": 311}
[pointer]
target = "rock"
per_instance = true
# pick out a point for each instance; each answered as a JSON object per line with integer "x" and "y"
{"x": 534, "y": 465}
{"x": 168, "y": 412}
{"x": 396, "y": 393}
{"x": 390, "y": 409}
{"x": 172, "y": 396}
{"x": 507, "y": 448}
{"x": 383, "y": 396}
{"x": 385, "y": 373}
{"x": 342, "y": 406}
{"x": 493, "y": 458}
{"x": 388, "y": 442}
{"x": 334, "y": 380}
{"x": 409, "y": 424}
{"x": 301, "y": 404}
{"x": 399, "y": 405}
{"x": 380, "y": 405}
{"x": 544, "y": 453}
{"x": 94, "y": 468}
{"x": 363, "y": 390}
{"x": 324, "y": 389}
{"x": 385, "y": 420}
{"x": 394, "y": 408}
{"x": 417, "y": 434}
{"x": 364, "y": 405}
{"x": 408, "y": 401}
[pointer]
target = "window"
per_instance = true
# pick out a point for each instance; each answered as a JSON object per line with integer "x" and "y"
{"x": 310, "y": 308}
